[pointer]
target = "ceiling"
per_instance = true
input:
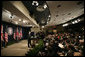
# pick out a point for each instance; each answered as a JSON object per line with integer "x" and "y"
{"x": 63, "y": 11}
{"x": 20, "y": 16}
{"x": 25, "y": 14}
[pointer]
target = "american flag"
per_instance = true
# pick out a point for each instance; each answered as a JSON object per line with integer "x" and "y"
{"x": 6, "y": 36}
{"x": 21, "y": 32}
{"x": 2, "y": 33}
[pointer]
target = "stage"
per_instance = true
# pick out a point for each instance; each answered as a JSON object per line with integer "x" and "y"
{"x": 17, "y": 49}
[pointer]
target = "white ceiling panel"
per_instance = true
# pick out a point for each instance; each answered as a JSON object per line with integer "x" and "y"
{"x": 63, "y": 11}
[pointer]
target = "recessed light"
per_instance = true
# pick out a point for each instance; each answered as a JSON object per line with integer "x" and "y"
{"x": 73, "y": 22}
{"x": 24, "y": 21}
{"x": 35, "y": 3}
{"x": 76, "y": 21}
{"x": 47, "y": 22}
{"x": 49, "y": 16}
{"x": 10, "y": 16}
{"x": 65, "y": 25}
{"x": 57, "y": 15}
{"x": 43, "y": 26}
{"x": 19, "y": 19}
{"x": 45, "y": 6}
{"x": 58, "y": 6}
{"x": 69, "y": 13}
{"x": 16, "y": 22}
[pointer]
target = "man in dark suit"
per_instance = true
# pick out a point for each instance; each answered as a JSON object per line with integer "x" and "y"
{"x": 29, "y": 39}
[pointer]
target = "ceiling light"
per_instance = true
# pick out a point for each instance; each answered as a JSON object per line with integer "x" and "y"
{"x": 19, "y": 19}
{"x": 47, "y": 22}
{"x": 45, "y": 6}
{"x": 49, "y": 15}
{"x": 76, "y": 21}
{"x": 43, "y": 26}
{"x": 24, "y": 21}
{"x": 35, "y": 3}
{"x": 65, "y": 25}
{"x": 11, "y": 16}
{"x": 73, "y": 22}
{"x": 16, "y": 22}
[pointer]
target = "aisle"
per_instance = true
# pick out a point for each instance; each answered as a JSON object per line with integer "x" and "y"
{"x": 17, "y": 49}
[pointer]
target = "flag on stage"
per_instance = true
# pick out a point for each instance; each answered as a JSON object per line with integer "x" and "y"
{"x": 6, "y": 36}
{"x": 2, "y": 33}
{"x": 17, "y": 34}
{"x": 1, "y": 28}
{"x": 21, "y": 32}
